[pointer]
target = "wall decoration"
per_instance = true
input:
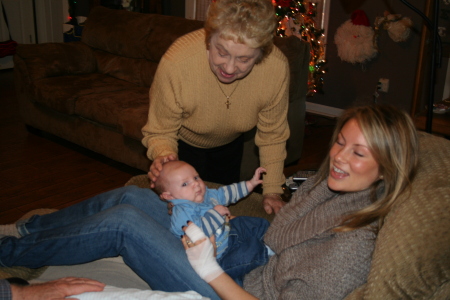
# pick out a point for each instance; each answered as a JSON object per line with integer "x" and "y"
{"x": 397, "y": 26}
{"x": 355, "y": 39}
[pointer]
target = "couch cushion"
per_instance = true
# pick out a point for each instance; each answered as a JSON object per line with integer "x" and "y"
{"x": 51, "y": 59}
{"x": 102, "y": 31}
{"x": 138, "y": 71}
{"x": 60, "y": 93}
{"x": 161, "y": 37}
{"x": 133, "y": 119}
{"x": 107, "y": 108}
{"x": 411, "y": 259}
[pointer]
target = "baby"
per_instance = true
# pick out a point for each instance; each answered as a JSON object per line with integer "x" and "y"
{"x": 180, "y": 184}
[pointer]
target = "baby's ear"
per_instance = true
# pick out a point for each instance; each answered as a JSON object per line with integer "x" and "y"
{"x": 166, "y": 196}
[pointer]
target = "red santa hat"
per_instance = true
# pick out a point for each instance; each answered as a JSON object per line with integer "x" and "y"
{"x": 359, "y": 17}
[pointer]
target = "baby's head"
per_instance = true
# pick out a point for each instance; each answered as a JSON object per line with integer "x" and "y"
{"x": 179, "y": 180}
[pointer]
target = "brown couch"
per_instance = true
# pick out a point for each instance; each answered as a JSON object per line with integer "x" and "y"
{"x": 94, "y": 93}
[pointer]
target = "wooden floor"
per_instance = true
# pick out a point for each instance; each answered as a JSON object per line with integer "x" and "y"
{"x": 38, "y": 172}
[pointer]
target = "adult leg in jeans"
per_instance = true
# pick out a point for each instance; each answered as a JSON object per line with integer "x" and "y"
{"x": 144, "y": 199}
{"x": 145, "y": 245}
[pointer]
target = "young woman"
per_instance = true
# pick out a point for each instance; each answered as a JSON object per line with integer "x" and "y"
{"x": 324, "y": 237}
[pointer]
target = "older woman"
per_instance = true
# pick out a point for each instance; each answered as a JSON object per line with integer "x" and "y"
{"x": 324, "y": 238}
{"x": 213, "y": 85}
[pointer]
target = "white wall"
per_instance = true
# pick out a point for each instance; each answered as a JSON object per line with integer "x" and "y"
{"x": 50, "y": 18}
{"x": 21, "y": 25}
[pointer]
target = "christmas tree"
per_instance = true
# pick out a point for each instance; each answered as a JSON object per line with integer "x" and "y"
{"x": 297, "y": 18}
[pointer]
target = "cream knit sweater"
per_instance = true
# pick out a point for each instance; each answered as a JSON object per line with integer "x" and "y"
{"x": 312, "y": 261}
{"x": 188, "y": 104}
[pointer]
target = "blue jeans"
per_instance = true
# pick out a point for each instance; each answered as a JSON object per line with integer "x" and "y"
{"x": 129, "y": 221}
{"x": 246, "y": 249}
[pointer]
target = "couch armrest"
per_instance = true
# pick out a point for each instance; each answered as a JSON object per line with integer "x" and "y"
{"x": 54, "y": 59}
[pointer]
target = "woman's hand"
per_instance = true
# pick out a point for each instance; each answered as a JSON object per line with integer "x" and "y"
{"x": 272, "y": 203}
{"x": 201, "y": 253}
{"x": 156, "y": 167}
{"x": 202, "y": 259}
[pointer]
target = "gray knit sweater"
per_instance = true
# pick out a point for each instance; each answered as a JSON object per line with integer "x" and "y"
{"x": 312, "y": 261}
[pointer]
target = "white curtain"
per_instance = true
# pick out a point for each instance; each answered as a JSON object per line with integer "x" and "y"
{"x": 4, "y": 33}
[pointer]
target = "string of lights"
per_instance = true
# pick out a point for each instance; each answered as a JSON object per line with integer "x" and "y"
{"x": 298, "y": 18}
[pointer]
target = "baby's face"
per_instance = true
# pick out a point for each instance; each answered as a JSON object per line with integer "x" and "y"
{"x": 185, "y": 183}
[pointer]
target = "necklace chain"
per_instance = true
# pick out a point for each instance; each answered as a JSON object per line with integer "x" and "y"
{"x": 228, "y": 103}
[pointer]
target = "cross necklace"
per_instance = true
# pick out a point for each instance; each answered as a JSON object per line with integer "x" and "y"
{"x": 228, "y": 103}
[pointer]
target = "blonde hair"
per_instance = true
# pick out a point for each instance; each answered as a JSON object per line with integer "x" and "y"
{"x": 250, "y": 22}
{"x": 393, "y": 142}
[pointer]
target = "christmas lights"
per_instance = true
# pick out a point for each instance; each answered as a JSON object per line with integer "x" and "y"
{"x": 298, "y": 18}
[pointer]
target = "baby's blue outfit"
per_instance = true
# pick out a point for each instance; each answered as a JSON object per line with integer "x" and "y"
{"x": 204, "y": 216}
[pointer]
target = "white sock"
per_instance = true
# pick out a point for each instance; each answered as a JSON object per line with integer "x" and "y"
{"x": 9, "y": 230}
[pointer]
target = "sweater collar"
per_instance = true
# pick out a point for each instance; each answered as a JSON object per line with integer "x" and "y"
{"x": 312, "y": 214}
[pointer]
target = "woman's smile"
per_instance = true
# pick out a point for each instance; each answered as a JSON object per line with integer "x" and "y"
{"x": 338, "y": 173}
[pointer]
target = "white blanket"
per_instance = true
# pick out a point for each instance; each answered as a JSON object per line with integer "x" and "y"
{"x": 114, "y": 293}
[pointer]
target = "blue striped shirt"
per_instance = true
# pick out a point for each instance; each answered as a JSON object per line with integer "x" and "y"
{"x": 204, "y": 215}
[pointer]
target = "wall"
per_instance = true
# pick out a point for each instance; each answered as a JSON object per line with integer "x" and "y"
{"x": 21, "y": 26}
{"x": 346, "y": 84}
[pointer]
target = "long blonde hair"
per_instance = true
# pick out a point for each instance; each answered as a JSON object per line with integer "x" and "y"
{"x": 250, "y": 22}
{"x": 393, "y": 142}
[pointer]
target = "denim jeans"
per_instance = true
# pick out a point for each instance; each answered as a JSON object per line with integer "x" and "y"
{"x": 129, "y": 221}
{"x": 246, "y": 249}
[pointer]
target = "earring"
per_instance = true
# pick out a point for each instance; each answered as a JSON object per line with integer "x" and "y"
{"x": 381, "y": 177}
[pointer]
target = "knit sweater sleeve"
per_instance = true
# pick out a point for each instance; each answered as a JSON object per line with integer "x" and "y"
{"x": 273, "y": 131}
{"x": 164, "y": 115}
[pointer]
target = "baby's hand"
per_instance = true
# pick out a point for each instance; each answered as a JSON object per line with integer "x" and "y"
{"x": 252, "y": 183}
{"x": 222, "y": 210}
